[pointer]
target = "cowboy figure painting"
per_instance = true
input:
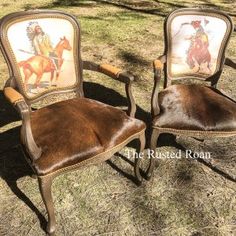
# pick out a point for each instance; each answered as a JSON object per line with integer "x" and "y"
{"x": 45, "y": 58}
{"x": 195, "y": 45}
{"x": 198, "y": 53}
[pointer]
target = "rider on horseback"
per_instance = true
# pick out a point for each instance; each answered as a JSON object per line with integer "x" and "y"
{"x": 41, "y": 43}
{"x": 199, "y": 43}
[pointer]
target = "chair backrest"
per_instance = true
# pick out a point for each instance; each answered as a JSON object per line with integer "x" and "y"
{"x": 196, "y": 40}
{"x": 42, "y": 50}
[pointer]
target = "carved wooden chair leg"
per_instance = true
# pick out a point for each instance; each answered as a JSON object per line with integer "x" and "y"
{"x": 154, "y": 138}
{"x": 45, "y": 184}
{"x": 138, "y": 159}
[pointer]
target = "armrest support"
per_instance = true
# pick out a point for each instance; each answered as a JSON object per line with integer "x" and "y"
{"x": 117, "y": 74}
{"x": 17, "y": 100}
{"x": 158, "y": 66}
{"x": 230, "y": 63}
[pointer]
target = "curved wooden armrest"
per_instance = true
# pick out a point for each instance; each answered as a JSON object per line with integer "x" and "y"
{"x": 230, "y": 62}
{"x": 116, "y": 74}
{"x": 158, "y": 66}
{"x": 12, "y": 95}
{"x": 27, "y": 138}
{"x": 110, "y": 71}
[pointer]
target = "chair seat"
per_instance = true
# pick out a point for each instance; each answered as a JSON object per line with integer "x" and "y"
{"x": 195, "y": 107}
{"x": 75, "y": 130}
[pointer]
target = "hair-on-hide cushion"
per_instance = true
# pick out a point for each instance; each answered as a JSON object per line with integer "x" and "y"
{"x": 74, "y": 130}
{"x": 195, "y": 107}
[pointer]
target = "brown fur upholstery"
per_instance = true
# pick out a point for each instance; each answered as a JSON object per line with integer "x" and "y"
{"x": 74, "y": 130}
{"x": 195, "y": 107}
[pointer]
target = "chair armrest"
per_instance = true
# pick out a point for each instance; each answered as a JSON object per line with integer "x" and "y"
{"x": 18, "y": 101}
{"x": 158, "y": 66}
{"x": 230, "y": 62}
{"x": 12, "y": 95}
{"x": 109, "y": 70}
{"x": 117, "y": 74}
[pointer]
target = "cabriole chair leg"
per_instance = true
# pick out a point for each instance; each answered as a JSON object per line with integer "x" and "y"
{"x": 153, "y": 145}
{"x": 45, "y": 184}
{"x": 138, "y": 159}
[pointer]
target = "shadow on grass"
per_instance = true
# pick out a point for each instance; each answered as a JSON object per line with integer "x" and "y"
{"x": 131, "y": 163}
{"x": 70, "y": 3}
{"x": 156, "y": 7}
{"x": 170, "y": 140}
{"x": 133, "y": 59}
{"x": 127, "y": 6}
{"x": 109, "y": 96}
{"x": 12, "y": 163}
{"x": 13, "y": 167}
{"x": 122, "y": 172}
{"x": 151, "y": 11}
{"x": 7, "y": 113}
{"x": 79, "y": 3}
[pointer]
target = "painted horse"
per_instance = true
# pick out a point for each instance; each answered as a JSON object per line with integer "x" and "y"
{"x": 40, "y": 64}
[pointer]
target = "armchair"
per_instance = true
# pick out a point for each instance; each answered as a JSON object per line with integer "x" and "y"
{"x": 72, "y": 133}
{"x": 195, "y": 44}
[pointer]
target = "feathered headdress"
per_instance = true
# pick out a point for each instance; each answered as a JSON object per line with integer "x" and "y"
{"x": 31, "y": 29}
{"x": 31, "y": 32}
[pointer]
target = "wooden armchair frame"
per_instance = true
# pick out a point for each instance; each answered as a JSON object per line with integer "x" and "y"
{"x": 161, "y": 66}
{"x": 16, "y": 94}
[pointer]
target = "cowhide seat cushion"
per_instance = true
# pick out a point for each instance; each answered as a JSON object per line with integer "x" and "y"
{"x": 75, "y": 130}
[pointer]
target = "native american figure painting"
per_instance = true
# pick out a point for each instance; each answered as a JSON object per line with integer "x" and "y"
{"x": 45, "y": 59}
{"x": 196, "y": 42}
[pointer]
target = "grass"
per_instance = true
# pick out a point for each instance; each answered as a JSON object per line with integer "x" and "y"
{"x": 185, "y": 197}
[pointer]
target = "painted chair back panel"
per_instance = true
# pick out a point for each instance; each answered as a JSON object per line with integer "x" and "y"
{"x": 43, "y": 51}
{"x": 196, "y": 42}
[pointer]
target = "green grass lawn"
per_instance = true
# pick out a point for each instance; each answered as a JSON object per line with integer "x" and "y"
{"x": 185, "y": 197}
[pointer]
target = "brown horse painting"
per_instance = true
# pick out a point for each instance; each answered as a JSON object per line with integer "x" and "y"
{"x": 40, "y": 64}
